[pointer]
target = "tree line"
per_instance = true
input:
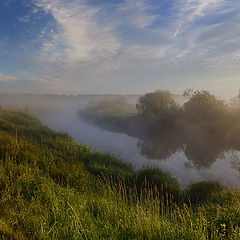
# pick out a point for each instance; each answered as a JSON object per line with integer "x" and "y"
{"x": 201, "y": 109}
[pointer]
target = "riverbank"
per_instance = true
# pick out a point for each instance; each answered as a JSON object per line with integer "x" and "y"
{"x": 55, "y": 188}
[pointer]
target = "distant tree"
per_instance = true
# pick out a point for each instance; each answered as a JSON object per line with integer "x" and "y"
{"x": 203, "y": 106}
{"x": 235, "y": 102}
{"x": 188, "y": 92}
{"x": 156, "y": 104}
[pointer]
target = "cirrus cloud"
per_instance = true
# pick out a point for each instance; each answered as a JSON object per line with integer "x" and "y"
{"x": 135, "y": 45}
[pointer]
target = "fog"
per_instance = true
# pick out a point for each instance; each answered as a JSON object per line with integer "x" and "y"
{"x": 184, "y": 162}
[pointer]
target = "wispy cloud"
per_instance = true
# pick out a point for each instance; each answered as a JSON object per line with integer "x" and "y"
{"x": 138, "y": 13}
{"x": 106, "y": 45}
{"x": 24, "y": 19}
{"x": 190, "y": 10}
{"x": 4, "y": 77}
{"x": 79, "y": 37}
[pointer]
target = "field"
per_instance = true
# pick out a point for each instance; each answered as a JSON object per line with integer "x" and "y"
{"x": 51, "y": 187}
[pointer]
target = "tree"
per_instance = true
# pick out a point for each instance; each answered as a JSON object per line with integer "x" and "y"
{"x": 235, "y": 102}
{"x": 156, "y": 104}
{"x": 203, "y": 106}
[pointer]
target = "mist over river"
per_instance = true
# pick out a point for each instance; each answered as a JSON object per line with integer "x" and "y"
{"x": 224, "y": 169}
{"x": 60, "y": 113}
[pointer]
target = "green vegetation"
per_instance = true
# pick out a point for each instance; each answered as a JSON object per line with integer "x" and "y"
{"x": 156, "y": 104}
{"x": 203, "y": 106}
{"x": 114, "y": 115}
{"x": 201, "y": 191}
{"x": 159, "y": 110}
{"x": 201, "y": 112}
{"x": 118, "y": 107}
{"x": 54, "y": 188}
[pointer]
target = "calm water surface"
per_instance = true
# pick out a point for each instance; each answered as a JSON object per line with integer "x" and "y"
{"x": 223, "y": 167}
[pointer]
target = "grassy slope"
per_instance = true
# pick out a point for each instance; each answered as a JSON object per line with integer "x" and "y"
{"x": 54, "y": 188}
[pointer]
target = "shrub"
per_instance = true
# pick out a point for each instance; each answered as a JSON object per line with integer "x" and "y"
{"x": 203, "y": 191}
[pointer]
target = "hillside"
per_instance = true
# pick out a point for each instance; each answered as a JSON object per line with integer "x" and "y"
{"x": 54, "y": 188}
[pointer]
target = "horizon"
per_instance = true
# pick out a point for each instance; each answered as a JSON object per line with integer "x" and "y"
{"x": 88, "y": 47}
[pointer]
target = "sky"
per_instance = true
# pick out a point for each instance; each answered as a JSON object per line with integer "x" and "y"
{"x": 119, "y": 46}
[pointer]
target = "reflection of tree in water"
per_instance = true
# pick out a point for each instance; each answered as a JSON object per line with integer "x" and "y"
{"x": 202, "y": 155}
{"x": 235, "y": 159}
{"x": 201, "y": 152}
{"x": 161, "y": 148}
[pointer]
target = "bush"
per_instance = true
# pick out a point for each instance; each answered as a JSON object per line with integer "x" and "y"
{"x": 203, "y": 191}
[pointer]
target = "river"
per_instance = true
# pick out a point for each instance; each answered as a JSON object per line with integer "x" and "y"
{"x": 224, "y": 169}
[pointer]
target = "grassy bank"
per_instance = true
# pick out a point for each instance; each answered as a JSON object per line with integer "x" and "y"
{"x": 54, "y": 188}
{"x": 114, "y": 115}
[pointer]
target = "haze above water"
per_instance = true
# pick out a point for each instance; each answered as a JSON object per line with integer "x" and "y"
{"x": 60, "y": 113}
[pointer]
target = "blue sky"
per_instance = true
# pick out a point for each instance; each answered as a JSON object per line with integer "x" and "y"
{"x": 125, "y": 46}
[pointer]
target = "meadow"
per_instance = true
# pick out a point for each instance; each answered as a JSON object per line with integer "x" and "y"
{"x": 52, "y": 187}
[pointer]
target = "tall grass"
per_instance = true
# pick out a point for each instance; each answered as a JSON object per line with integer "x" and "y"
{"x": 54, "y": 188}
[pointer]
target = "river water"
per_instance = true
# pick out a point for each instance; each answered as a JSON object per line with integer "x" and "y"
{"x": 225, "y": 168}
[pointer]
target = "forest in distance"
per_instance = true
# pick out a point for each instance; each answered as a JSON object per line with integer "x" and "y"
{"x": 202, "y": 126}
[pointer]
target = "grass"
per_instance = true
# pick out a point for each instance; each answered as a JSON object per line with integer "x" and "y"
{"x": 201, "y": 191}
{"x": 54, "y": 188}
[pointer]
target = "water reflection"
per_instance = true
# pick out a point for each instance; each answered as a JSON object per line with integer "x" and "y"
{"x": 203, "y": 155}
{"x": 201, "y": 148}
{"x": 161, "y": 147}
{"x": 201, "y": 152}
{"x": 235, "y": 159}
